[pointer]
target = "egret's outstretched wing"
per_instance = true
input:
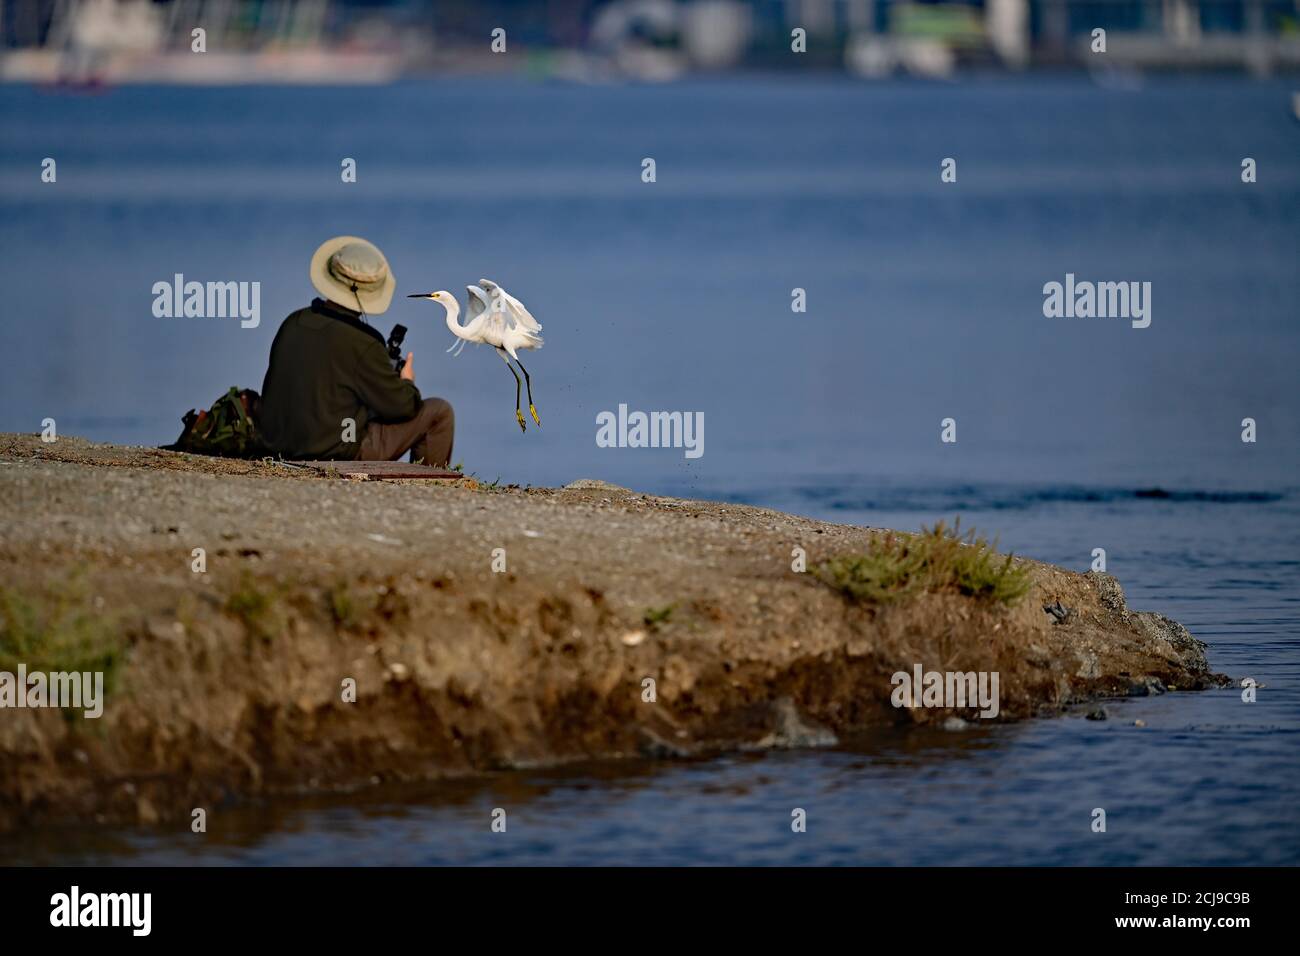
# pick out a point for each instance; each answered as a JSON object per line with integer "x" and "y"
{"x": 521, "y": 313}
{"x": 510, "y": 305}
{"x": 478, "y": 302}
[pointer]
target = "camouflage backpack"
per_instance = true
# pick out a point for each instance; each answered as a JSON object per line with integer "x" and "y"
{"x": 227, "y": 429}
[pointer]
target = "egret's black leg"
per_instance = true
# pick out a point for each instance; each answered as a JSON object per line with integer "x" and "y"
{"x": 519, "y": 416}
{"x": 531, "y": 407}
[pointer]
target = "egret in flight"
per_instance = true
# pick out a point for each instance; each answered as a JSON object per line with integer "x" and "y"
{"x": 498, "y": 319}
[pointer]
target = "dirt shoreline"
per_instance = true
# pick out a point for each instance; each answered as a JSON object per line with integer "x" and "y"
{"x": 229, "y": 683}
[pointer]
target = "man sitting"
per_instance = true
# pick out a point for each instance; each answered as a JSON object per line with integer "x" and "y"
{"x": 331, "y": 392}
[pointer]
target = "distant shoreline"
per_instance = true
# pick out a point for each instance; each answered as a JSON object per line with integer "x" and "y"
{"x": 1128, "y": 58}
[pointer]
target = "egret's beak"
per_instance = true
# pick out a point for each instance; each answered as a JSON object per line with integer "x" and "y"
{"x": 420, "y": 295}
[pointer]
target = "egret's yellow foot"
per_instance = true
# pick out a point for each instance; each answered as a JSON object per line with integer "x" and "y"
{"x": 520, "y": 415}
{"x": 533, "y": 409}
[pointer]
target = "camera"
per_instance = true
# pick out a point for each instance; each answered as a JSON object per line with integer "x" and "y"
{"x": 395, "y": 339}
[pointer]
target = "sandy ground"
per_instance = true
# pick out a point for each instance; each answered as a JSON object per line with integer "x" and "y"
{"x": 233, "y": 679}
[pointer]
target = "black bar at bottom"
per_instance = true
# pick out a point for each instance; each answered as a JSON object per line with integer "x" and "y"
{"x": 333, "y": 906}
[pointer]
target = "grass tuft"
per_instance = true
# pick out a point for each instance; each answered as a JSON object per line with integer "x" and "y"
{"x": 58, "y": 632}
{"x": 654, "y": 617}
{"x": 342, "y": 607}
{"x": 937, "y": 559}
{"x": 255, "y": 608}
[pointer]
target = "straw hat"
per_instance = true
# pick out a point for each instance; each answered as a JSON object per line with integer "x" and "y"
{"x": 353, "y": 273}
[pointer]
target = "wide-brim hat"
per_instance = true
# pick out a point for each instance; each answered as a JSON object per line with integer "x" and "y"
{"x": 353, "y": 273}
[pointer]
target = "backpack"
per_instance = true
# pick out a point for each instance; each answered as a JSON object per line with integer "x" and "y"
{"x": 228, "y": 429}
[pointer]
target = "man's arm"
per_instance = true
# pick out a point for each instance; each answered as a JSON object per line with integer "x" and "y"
{"x": 391, "y": 397}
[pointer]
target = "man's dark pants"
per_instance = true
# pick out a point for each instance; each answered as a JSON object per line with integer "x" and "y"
{"x": 428, "y": 436}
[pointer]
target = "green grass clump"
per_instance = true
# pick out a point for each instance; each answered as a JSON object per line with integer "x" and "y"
{"x": 937, "y": 559}
{"x": 656, "y": 616}
{"x": 255, "y": 608}
{"x": 58, "y": 632}
{"x": 342, "y": 607}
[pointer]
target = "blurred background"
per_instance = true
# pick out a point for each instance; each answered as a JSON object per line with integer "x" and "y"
{"x": 594, "y": 40}
{"x": 776, "y": 170}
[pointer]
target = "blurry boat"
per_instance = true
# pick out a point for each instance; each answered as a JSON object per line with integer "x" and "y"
{"x": 642, "y": 38}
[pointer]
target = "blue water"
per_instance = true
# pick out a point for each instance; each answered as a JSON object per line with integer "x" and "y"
{"x": 924, "y": 302}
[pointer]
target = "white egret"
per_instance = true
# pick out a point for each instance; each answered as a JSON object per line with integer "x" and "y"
{"x": 498, "y": 319}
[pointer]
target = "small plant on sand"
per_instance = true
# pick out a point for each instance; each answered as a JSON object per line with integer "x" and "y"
{"x": 342, "y": 606}
{"x": 255, "y": 607}
{"x": 655, "y": 617}
{"x": 937, "y": 559}
{"x": 480, "y": 484}
{"x": 60, "y": 632}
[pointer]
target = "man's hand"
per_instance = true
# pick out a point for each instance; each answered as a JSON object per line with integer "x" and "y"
{"x": 408, "y": 370}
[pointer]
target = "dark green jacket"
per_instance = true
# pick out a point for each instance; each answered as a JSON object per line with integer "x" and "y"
{"x": 328, "y": 365}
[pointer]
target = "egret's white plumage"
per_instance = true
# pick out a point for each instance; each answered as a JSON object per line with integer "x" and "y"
{"x": 469, "y": 331}
{"x": 498, "y": 319}
{"x": 502, "y": 301}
